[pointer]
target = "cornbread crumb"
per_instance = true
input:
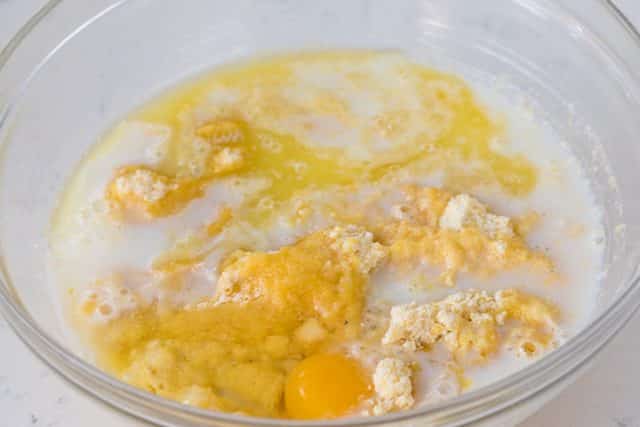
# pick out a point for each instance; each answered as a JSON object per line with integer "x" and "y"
{"x": 202, "y": 397}
{"x": 464, "y": 211}
{"x": 277, "y": 345}
{"x": 154, "y": 367}
{"x": 321, "y": 276}
{"x": 355, "y": 242}
{"x": 215, "y": 149}
{"x": 159, "y": 367}
{"x": 221, "y": 132}
{"x": 227, "y": 160}
{"x": 393, "y": 386}
{"x": 302, "y": 210}
{"x": 413, "y": 326}
{"x": 201, "y": 147}
{"x": 141, "y": 184}
{"x": 311, "y": 331}
{"x": 400, "y": 212}
{"x": 231, "y": 277}
{"x": 468, "y": 322}
{"x": 456, "y": 234}
{"x": 422, "y": 205}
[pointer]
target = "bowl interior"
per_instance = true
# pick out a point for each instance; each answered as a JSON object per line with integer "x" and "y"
{"x": 577, "y": 82}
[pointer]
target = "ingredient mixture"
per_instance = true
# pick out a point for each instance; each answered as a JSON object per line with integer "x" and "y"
{"x": 325, "y": 235}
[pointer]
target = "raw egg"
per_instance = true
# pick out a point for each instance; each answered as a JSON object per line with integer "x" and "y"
{"x": 325, "y": 386}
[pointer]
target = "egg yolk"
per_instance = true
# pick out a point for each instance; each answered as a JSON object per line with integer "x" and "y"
{"x": 325, "y": 386}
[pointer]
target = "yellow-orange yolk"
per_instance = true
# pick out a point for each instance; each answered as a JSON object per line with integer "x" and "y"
{"x": 325, "y": 386}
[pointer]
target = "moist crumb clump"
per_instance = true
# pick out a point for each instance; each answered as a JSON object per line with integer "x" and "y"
{"x": 463, "y": 210}
{"x": 468, "y": 323}
{"x": 393, "y": 386}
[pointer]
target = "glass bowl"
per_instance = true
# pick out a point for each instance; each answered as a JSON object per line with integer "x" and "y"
{"x": 78, "y": 65}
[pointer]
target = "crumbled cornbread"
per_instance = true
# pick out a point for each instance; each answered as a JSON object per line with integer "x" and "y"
{"x": 218, "y": 148}
{"x": 356, "y": 244}
{"x": 468, "y": 250}
{"x": 227, "y": 160}
{"x": 160, "y": 366}
{"x": 214, "y": 152}
{"x": 468, "y": 323}
{"x": 140, "y": 186}
{"x": 336, "y": 261}
{"x": 422, "y": 205}
{"x": 270, "y": 309}
{"x": 144, "y": 192}
{"x": 456, "y": 233}
{"x": 393, "y": 386}
{"x": 313, "y": 293}
{"x": 311, "y": 331}
{"x": 221, "y": 132}
{"x": 463, "y": 211}
{"x": 202, "y": 397}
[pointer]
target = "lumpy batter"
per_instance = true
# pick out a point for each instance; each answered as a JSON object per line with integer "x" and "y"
{"x": 325, "y": 235}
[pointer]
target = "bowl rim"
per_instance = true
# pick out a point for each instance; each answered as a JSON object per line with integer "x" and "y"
{"x": 500, "y": 395}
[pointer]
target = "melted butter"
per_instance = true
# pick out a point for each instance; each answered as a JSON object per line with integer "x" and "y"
{"x": 455, "y": 138}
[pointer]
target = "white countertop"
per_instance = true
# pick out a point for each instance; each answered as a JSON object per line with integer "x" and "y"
{"x": 32, "y": 395}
